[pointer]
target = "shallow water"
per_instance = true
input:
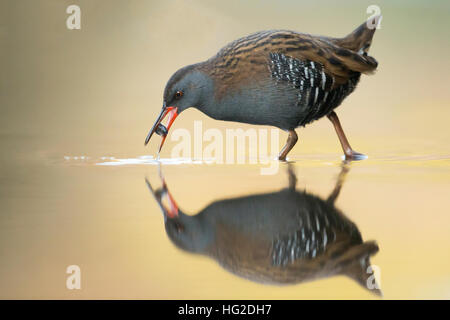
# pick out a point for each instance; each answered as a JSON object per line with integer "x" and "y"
{"x": 76, "y": 106}
{"x": 85, "y": 211}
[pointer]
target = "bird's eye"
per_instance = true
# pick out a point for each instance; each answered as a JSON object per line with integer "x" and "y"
{"x": 179, "y": 227}
{"x": 178, "y": 94}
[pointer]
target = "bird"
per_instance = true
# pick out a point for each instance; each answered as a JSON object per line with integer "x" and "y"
{"x": 283, "y": 237}
{"x": 279, "y": 78}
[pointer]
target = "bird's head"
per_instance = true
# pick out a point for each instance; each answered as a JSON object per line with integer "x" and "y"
{"x": 185, "y": 89}
{"x": 189, "y": 233}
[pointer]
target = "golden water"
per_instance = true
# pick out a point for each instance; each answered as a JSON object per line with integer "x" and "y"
{"x": 103, "y": 218}
{"x": 95, "y": 93}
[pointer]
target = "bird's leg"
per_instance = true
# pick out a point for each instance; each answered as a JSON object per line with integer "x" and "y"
{"x": 350, "y": 154}
{"x": 340, "y": 181}
{"x": 290, "y": 143}
{"x": 292, "y": 177}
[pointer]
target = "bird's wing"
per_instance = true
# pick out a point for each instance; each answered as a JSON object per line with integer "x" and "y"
{"x": 336, "y": 62}
{"x": 311, "y": 244}
{"x": 247, "y": 58}
{"x": 309, "y": 77}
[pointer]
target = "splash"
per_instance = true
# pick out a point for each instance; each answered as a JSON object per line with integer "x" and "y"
{"x": 150, "y": 160}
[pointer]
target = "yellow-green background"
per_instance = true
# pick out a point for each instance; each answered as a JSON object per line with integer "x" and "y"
{"x": 96, "y": 92}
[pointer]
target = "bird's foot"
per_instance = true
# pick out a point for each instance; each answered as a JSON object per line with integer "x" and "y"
{"x": 285, "y": 160}
{"x": 354, "y": 156}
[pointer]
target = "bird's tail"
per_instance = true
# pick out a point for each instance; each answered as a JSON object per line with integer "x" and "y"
{"x": 356, "y": 265}
{"x": 361, "y": 38}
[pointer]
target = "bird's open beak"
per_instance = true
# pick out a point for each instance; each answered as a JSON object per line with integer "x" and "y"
{"x": 173, "y": 113}
{"x": 163, "y": 196}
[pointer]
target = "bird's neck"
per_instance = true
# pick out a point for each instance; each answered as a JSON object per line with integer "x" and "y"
{"x": 204, "y": 234}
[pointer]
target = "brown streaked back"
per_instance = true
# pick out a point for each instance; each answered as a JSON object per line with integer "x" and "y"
{"x": 248, "y": 58}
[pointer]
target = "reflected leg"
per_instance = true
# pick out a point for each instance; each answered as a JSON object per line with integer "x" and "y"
{"x": 340, "y": 181}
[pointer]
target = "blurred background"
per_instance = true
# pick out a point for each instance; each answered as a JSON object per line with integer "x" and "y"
{"x": 95, "y": 92}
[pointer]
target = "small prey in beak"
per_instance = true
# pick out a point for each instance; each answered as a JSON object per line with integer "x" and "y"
{"x": 159, "y": 128}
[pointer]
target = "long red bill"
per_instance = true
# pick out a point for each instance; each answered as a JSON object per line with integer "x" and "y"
{"x": 172, "y": 116}
{"x": 173, "y": 113}
{"x": 163, "y": 195}
{"x": 172, "y": 210}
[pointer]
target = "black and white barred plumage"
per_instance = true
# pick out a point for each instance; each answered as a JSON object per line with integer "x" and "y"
{"x": 317, "y": 231}
{"x": 317, "y": 95}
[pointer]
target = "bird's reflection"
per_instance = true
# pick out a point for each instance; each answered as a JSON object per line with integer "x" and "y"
{"x": 283, "y": 237}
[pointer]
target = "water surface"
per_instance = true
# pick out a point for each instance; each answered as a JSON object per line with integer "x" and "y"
{"x": 59, "y": 211}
